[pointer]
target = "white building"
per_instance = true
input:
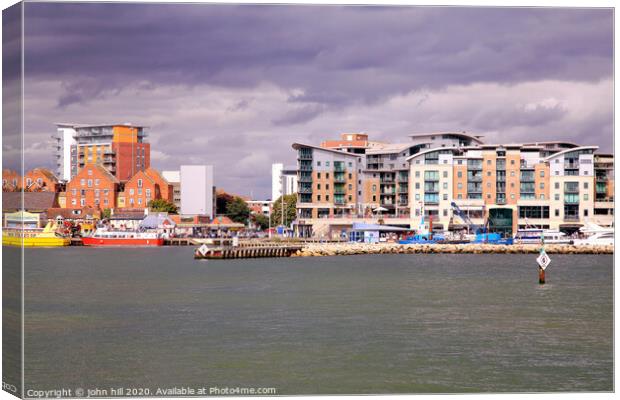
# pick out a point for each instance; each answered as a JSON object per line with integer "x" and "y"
{"x": 174, "y": 178}
{"x": 64, "y": 139}
{"x": 197, "y": 190}
{"x": 283, "y": 180}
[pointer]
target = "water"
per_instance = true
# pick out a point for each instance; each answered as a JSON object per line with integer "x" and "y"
{"x": 357, "y": 324}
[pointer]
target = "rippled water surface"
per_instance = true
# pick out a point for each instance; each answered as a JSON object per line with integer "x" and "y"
{"x": 357, "y": 324}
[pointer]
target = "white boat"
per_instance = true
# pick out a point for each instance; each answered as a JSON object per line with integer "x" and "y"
{"x": 595, "y": 235}
{"x": 535, "y": 235}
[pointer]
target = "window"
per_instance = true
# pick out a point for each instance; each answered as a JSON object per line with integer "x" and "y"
{"x": 131, "y": 201}
{"x": 139, "y": 200}
{"x": 148, "y": 192}
{"x": 445, "y": 196}
{"x": 350, "y": 186}
{"x": 374, "y": 188}
{"x": 557, "y": 185}
{"x": 350, "y": 175}
{"x": 327, "y": 175}
{"x": 327, "y": 186}
{"x": 105, "y": 192}
{"x": 97, "y": 201}
{"x": 585, "y": 185}
{"x": 350, "y": 198}
{"x": 488, "y": 162}
{"x": 417, "y": 196}
{"x": 82, "y": 202}
{"x": 512, "y": 162}
{"x": 96, "y": 182}
{"x": 139, "y": 183}
{"x": 542, "y": 185}
{"x": 512, "y": 173}
{"x": 90, "y": 183}
{"x": 556, "y": 197}
{"x": 318, "y": 163}
{"x": 74, "y": 192}
{"x": 40, "y": 181}
{"x": 318, "y": 186}
{"x": 459, "y": 174}
{"x": 318, "y": 175}
{"x": 460, "y": 196}
{"x": 417, "y": 174}
{"x": 445, "y": 174}
{"x": 131, "y": 192}
{"x": 82, "y": 182}
{"x": 350, "y": 164}
{"x": 542, "y": 174}
{"x": 73, "y": 202}
{"x": 542, "y": 196}
{"x": 83, "y": 192}
{"x": 417, "y": 185}
{"x": 417, "y": 212}
{"x": 90, "y": 171}
{"x": 445, "y": 185}
{"x": 374, "y": 198}
{"x": 585, "y": 197}
{"x": 488, "y": 173}
{"x": 459, "y": 185}
{"x": 445, "y": 212}
{"x": 557, "y": 212}
{"x": 585, "y": 212}
{"x": 96, "y": 192}
{"x": 327, "y": 165}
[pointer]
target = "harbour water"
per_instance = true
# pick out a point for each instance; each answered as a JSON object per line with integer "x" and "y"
{"x": 441, "y": 323}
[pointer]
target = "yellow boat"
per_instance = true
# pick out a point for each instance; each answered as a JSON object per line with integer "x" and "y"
{"x": 34, "y": 237}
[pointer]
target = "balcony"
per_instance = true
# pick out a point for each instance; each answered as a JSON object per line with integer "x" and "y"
{"x": 571, "y": 218}
{"x": 304, "y": 154}
{"x": 339, "y": 191}
{"x": 339, "y": 167}
{"x": 340, "y": 177}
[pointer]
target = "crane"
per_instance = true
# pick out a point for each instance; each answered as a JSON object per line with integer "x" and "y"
{"x": 473, "y": 227}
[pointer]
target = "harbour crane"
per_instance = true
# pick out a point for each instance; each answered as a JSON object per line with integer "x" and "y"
{"x": 473, "y": 227}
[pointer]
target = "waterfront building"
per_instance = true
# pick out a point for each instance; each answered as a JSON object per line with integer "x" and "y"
{"x": 260, "y": 206}
{"x": 197, "y": 190}
{"x": 143, "y": 187}
{"x": 550, "y": 185}
{"x": 94, "y": 186}
{"x": 119, "y": 148}
{"x": 174, "y": 179}
{"x": 11, "y": 180}
{"x": 40, "y": 180}
{"x": 283, "y": 180}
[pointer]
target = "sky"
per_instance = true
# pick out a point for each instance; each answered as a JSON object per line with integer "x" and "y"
{"x": 235, "y": 85}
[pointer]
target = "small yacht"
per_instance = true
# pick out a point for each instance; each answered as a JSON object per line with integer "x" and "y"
{"x": 535, "y": 236}
{"x": 595, "y": 235}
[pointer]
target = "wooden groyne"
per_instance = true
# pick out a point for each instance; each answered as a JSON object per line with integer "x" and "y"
{"x": 247, "y": 252}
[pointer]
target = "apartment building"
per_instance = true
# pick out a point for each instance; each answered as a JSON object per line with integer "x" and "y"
{"x": 551, "y": 184}
{"x": 283, "y": 180}
{"x": 94, "y": 186}
{"x": 120, "y": 148}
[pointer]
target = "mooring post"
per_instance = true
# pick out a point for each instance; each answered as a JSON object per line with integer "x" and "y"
{"x": 541, "y": 275}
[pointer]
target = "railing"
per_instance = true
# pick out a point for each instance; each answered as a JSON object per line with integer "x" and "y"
{"x": 571, "y": 218}
{"x": 340, "y": 177}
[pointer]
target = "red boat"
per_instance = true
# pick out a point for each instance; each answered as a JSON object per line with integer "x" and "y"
{"x": 123, "y": 238}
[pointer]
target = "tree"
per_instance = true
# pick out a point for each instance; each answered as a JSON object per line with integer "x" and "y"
{"x": 106, "y": 213}
{"x": 261, "y": 220}
{"x": 290, "y": 210}
{"x": 162, "y": 206}
{"x": 238, "y": 210}
{"x": 221, "y": 202}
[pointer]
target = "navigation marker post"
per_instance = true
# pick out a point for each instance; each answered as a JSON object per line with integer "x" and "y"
{"x": 543, "y": 261}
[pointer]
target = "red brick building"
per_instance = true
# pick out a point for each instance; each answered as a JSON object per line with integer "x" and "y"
{"x": 11, "y": 180}
{"x": 165, "y": 188}
{"x": 40, "y": 180}
{"x": 93, "y": 187}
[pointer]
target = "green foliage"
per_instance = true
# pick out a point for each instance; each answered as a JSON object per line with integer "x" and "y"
{"x": 238, "y": 210}
{"x": 290, "y": 210}
{"x": 261, "y": 220}
{"x": 162, "y": 205}
{"x": 106, "y": 213}
{"x": 221, "y": 202}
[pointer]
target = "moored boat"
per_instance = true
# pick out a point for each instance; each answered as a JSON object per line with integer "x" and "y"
{"x": 103, "y": 237}
{"x": 50, "y": 236}
{"x": 535, "y": 236}
{"x": 595, "y": 236}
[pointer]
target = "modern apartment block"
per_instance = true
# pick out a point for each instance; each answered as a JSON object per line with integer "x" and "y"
{"x": 283, "y": 180}
{"x": 197, "y": 190}
{"x": 553, "y": 185}
{"x": 120, "y": 148}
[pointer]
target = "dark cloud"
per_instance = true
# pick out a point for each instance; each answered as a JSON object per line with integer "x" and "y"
{"x": 336, "y": 55}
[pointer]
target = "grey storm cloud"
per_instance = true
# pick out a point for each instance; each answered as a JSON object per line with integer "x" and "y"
{"x": 336, "y": 55}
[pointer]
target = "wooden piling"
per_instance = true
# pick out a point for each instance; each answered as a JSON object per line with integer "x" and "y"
{"x": 541, "y": 276}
